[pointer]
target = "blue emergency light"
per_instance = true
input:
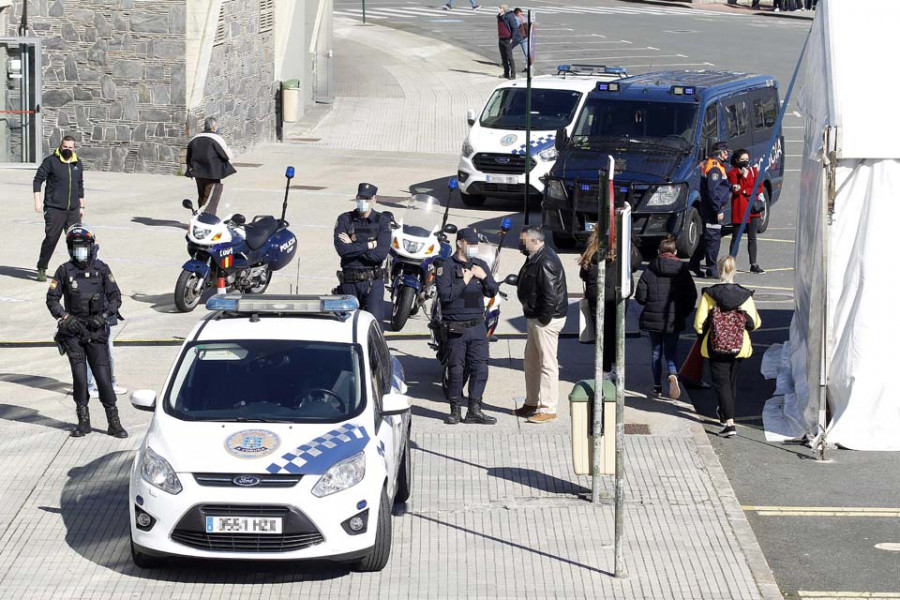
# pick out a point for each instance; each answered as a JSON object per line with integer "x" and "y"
{"x": 606, "y": 86}
{"x": 683, "y": 90}
{"x": 284, "y": 304}
{"x": 563, "y": 69}
{"x": 616, "y": 70}
{"x": 506, "y": 224}
{"x": 289, "y": 172}
{"x": 585, "y": 187}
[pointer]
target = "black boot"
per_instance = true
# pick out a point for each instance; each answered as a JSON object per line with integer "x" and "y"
{"x": 84, "y": 422}
{"x": 474, "y": 414}
{"x": 455, "y": 415}
{"x": 115, "y": 426}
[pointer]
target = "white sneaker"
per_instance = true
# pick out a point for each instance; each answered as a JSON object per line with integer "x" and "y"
{"x": 93, "y": 393}
{"x": 119, "y": 390}
{"x": 674, "y": 389}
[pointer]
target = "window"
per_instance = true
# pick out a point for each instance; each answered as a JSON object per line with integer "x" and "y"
{"x": 220, "y": 28}
{"x": 550, "y": 109}
{"x": 736, "y": 117}
{"x": 379, "y": 374}
{"x": 765, "y": 113}
{"x": 613, "y": 118}
{"x": 266, "y": 15}
{"x": 710, "y": 133}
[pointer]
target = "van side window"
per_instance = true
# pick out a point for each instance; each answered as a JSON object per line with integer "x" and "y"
{"x": 765, "y": 113}
{"x": 710, "y": 132}
{"x": 736, "y": 119}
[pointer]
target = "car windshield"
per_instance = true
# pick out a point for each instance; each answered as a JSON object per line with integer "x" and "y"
{"x": 263, "y": 381}
{"x": 608, "y": 122}
{"x": 550, "y": 109}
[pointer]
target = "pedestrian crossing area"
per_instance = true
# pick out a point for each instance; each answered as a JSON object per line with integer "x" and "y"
{"x": 461, "y": 9}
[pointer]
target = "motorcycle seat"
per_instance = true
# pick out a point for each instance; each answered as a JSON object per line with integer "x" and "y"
{"x": 259, "y": 231}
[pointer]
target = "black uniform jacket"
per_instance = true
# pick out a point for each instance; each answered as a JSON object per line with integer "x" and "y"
{"x": 65, "y": 181}
{"x": 362, "y": 230}
{"x": 461, "y": 301}
{"x": 83, "y": 292}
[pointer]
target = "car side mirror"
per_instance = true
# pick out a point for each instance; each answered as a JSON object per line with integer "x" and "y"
{"x": 144, "y": 400}
{"x": 512, "y": 280}
{"x": 394, "y": 404}
{"x": 562, "y": 139}
{"x": 470, "y": 117}
{"x": 187, "y": 204}
{"x": 449, "y": 229}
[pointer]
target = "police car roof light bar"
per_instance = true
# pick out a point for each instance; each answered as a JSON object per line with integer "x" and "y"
{"x": 284, "y": 304}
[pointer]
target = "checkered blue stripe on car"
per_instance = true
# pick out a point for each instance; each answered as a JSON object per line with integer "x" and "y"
{"x": 316, "y": 456}
{"x": 538, "y": 145}
{"x": 381, "y": 447}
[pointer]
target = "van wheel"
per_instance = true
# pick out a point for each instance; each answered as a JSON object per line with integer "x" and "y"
{"x": 563, "y": 241}
{"x": 378, "y": 556}
{"x": 472, "y": 199}
{"x": 764, "y": 215}
{"x": 689, "y": 238}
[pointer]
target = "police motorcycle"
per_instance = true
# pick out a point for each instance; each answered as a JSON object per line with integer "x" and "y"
{"x": 417, "y": 239}
{"x": 232, "y": 254}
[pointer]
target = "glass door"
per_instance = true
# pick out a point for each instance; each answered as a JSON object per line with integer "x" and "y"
{"x": 21, "y": 134}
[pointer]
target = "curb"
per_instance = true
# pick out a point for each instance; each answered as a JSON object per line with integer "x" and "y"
{"x": 726, "y": 8}
{"x": 756, "y": 560}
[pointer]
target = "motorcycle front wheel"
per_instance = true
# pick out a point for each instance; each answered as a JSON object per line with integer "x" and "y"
{"x": 259, "y": 289}
{"x": 187, "y": 296}
{"x": 403, "y": 303}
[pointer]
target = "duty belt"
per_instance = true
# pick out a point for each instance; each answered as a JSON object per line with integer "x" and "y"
{"x": 466, "y": 324}
{"x": 356, "y": 275}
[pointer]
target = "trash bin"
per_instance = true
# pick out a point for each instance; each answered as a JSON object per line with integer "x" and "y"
{"x": 290, "y": 100}
{"x": 581, "y": 409}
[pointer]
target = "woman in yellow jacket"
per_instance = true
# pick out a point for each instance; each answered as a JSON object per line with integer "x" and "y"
{"x": 723, "y": 368}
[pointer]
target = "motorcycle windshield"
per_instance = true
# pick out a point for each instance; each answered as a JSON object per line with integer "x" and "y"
{"x": 488, "y": 253}
{"x": 422, "y": 216}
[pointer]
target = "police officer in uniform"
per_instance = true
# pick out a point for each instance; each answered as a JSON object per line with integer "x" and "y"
{"x": 362, "y": 239}
{"x": 463, "y": 281}
{"x": 715, "y": 192}
{"x": 89, "y": 296}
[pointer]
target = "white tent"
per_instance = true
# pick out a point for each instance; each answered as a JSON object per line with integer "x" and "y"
{"x": 845, "y": 330}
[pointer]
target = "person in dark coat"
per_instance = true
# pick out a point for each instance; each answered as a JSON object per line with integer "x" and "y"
{"x": 208, "y": 160}
{"x": 667, "y": 293}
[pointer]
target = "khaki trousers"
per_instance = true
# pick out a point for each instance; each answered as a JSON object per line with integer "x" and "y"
{"x": 542, "y": 365}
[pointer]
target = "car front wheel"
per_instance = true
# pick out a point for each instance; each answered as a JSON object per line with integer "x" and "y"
{"x": 378, "y": 556}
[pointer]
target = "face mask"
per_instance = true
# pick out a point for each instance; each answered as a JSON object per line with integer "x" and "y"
{"x": 362, "y": 205}
{"x": 81, "y": 253}
{"x": 524, "y": 249}
{"x": 743, "y": 163}
{"x": 65, "y": 153}
{"x": 471, "y": 251}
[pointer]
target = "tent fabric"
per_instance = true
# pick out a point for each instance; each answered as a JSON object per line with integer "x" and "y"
{"x": 845, "y": 259}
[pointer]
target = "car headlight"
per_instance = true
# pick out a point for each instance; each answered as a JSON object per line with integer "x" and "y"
{"x": 157, "y": 471}
{"x": 200, "y": 232}
{"x": 413, "y": 247}
{"x": 342, "y": 475}
{"x": 549, "y": 154}
{"x": 556, "y": 189}
{"x": 467, "y": 148}
{"x": 664, "y": 196}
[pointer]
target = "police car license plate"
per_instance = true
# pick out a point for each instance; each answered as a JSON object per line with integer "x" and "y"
{"x": 588, "y": 226}
{"x": 260, "y": 525}
{"x": 509, "y": 179}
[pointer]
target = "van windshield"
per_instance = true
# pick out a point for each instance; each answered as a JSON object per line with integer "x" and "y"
{"x": 550, "y": 109}
{"x": 608, "y": 122}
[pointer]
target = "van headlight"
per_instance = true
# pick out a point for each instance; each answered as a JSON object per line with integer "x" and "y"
{"x": 467, "y": 148}
{"x": 549, "y": 154}
{"x": 664, "y": 196}
{"x": 342, "y": 475}
{"x": 157, "y": 471}
{"x": 556, "y": 189}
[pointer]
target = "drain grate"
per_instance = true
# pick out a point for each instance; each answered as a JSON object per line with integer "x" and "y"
{"x": 637, "y": 429}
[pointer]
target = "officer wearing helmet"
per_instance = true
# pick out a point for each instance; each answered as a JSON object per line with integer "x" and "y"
{"x": 362, "y": 238}
{"x": 83, "y": 295}
{"x": 463, "y": 282}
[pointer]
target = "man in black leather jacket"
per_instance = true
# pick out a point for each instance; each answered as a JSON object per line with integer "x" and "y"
{"x": 542, "y": 292}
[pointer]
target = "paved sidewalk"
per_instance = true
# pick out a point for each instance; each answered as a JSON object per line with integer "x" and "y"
{"x": 496, "y": 511}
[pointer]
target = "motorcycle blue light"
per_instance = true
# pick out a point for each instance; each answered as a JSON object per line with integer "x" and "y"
{"x": 289, "y": 173}
{"x": 453, "y": 183}
{"x": 506, "y": 224}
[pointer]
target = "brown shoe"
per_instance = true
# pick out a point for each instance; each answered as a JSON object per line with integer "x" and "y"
{"x": 526, "y": 410}
{"x": 542, "y": 418}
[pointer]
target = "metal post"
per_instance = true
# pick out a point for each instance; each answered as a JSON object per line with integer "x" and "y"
{"x": 527, "y": 127}
{"x": 364, "y": 11}
{"x": 599, "y": 314}
{"x": 620, "y": 411}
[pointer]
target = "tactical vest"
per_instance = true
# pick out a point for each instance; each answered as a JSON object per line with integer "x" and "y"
{"x": 84, "y": 294}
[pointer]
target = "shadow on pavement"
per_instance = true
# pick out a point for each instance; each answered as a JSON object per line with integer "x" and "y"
{"x": 18, "y": 272}
{"x": 10, "y": 412}
{"x": 151, "y": 222}
{"x": 95, "y": 513}
{"x": 165, "y": 303}
{"x": 38, "y": 382}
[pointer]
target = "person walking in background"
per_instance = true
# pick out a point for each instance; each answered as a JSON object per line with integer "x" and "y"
{"x": 208, "y": 160}
{"x": 523, "y": 34}
{"x": 449, "y": 5}
{"x": 542, "y": 292}
{"x": 725, "y": 316}
{"x": 742, "y": 178}
{"x": 509, "y": 37}
{"x": 63, "y": 202}
{"x": 589, "y": 263}
{"x": 667, "y": 293}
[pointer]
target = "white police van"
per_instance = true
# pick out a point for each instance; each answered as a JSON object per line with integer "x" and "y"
{"x": 492, "y": 162}
{"x": 282, "y": 432}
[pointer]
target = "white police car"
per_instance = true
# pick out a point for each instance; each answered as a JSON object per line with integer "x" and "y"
{"x": 282, "y": 432}
{"x": 492, "y": 162}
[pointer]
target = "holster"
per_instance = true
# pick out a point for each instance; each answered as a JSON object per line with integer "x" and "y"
{"x": 59, "y": 343}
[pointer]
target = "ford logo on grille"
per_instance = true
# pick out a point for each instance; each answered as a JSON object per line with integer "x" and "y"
{"x": 502, "y": 160}
{"x": 246, "y": 480}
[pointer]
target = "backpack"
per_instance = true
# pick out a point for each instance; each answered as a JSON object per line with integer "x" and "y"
{"x": 503, "y": 31}
{"x": 726, "y": 331}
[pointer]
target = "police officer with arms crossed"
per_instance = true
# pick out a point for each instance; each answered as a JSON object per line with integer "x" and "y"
{"x": 463, "y": 282}
{"x": 362, "y": 238}
{"x": 715, "y": 192}
{"x": 89, "y": 295}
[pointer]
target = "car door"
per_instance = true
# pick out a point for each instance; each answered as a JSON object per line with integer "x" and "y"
{"x": 388, "y": 429}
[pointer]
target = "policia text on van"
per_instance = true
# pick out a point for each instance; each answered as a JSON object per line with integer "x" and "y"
{"x": 659, "y": 127}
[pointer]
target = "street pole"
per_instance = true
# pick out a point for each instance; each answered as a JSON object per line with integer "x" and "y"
{"x": 364, "y": 11}
{"x": 527, "y": 123}
{"x": 597, "y": 421}
{"x": 620, "y": 406}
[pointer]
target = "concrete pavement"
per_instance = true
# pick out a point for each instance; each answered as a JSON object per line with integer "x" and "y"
{"x": 496, "y": 511}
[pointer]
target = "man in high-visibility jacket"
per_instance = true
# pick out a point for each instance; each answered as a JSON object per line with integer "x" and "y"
{"x": 715, "y": 193}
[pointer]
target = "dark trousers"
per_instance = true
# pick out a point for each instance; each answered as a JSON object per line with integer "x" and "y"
{"x": 56, "y": 221}
{"x": 506, "y": 57}
{"x": 95, "y": 353}
{"x": 467, "y": 351}
{"x": 205, "y": 189}
{"x": 664, "y": 346}
{"x": 752, "y": 231}
{"x": 370, "y": 295}
{"x": 708, "y": 248}
{"x": 724, "y": 374}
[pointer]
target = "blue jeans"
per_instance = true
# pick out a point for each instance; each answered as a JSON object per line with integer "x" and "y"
{"x": 663, "y": 344}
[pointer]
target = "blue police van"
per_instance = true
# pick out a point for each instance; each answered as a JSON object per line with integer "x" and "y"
{"x": 659, "y": 128}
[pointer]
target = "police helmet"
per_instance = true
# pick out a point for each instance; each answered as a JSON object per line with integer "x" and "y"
{"x": 80, "y": 236}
